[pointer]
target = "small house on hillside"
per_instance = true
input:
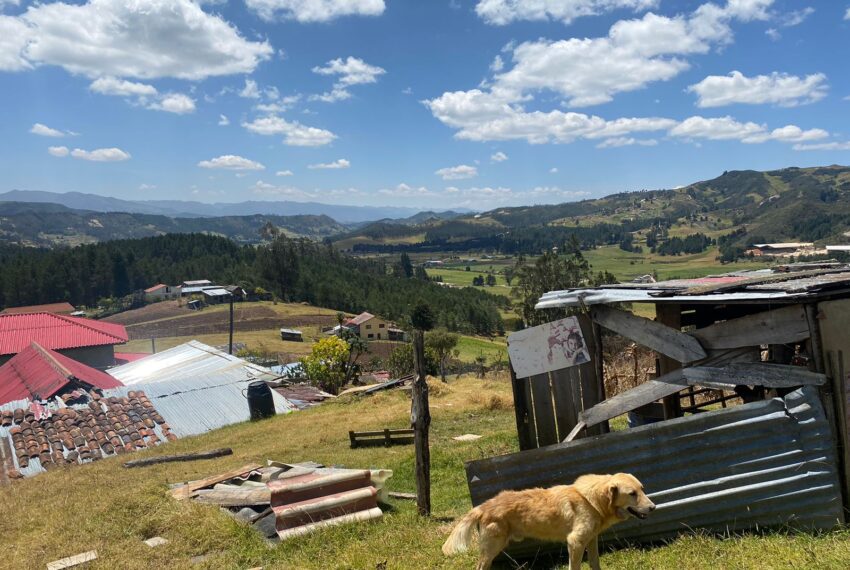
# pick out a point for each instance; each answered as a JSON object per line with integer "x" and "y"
{"x": 162, "y": 291}
{"x": 370, "y": 327}
{"x": 239, "y": 294}
{"x": 216, "y": 295}
{"x": 57, "y": 308}
{"x": 85, "y": 340}
{"x": 291, "y": 334}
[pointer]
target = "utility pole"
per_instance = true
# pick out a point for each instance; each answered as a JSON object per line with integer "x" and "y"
{"x": 230, "y": 342}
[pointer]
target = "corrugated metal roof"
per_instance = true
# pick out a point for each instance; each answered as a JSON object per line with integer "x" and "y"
{"x": 764, "y": 464}
{"x": 56, "y": 332}
{"x": 187, "y": 361}
{"x": 360, "y": 319}
{"x": 216, "y": 292}
{"x": 39, "y": 373}
{"x": 202, "y": 402}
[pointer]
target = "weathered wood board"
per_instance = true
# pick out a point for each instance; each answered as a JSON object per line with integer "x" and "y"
{"x": 777, "y": 326}
{"x": 753, "y": 374}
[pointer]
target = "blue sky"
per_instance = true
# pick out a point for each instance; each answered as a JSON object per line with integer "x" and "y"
{"x": 437, "y": 103}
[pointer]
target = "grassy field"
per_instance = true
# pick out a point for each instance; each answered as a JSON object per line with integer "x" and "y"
{"x": 110, "y": 509}
{"x": 471, "y": 347}
{"x": 626, "y": 265}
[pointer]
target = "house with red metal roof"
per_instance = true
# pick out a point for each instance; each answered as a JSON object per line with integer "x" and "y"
{"x": 162, "y": 291}
{"x": 58, "y": 308}
{"x": 85, "y": 340}
{"x": 38, "y": 373}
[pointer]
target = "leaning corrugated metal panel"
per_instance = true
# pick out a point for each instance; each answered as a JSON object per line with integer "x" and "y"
{"x": 764, "y": 464}
{"x": 186, "y": 361}
{"x": 206, "y": 402}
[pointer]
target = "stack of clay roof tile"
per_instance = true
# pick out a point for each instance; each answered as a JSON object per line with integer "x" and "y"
{"x": 105, "y": 426}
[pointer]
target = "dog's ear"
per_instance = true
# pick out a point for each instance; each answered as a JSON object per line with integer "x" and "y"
{"x": 613, "y": 490}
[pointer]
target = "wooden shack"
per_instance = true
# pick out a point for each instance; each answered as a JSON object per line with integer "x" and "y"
{"x": 291, "y": 334}
{"x": 752, "y": 376}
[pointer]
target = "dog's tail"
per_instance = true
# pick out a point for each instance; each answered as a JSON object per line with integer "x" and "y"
{"x": 461, "y": 535}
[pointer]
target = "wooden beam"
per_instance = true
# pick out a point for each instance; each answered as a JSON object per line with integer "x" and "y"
{"x": 420, "y": 420}
{"x": 753, "y": 374}
{"x": 186, "y": 491}
{"x": 234, "y": 496}
{"x": 653, "y": 390}
{"x": 182, "y": 457}
{"x": 778, "y": 326}
{"x": 651, "y": 334}
{"x": 572, "y": 435}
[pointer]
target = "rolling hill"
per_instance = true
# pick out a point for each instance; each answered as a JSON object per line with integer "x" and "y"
{"x": 806, "y": 204}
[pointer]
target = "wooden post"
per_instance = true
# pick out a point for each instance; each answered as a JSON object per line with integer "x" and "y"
{"x": 153, "y": 345}
{"x": 230, "y": 341}
{"x": 670, "y": 315}
{"x": 420, "y": 420}
{"x": 599, "y": 357}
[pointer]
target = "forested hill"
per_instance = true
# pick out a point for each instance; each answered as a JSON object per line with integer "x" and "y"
{"x": 294, "y": 269}
{"x": 806, "y": 204}
{"x": 47, "y": 224}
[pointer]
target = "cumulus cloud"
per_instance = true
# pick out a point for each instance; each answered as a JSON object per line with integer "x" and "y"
{"x": 498, "y": 157}
{"x": 144, "y": 186}
{"x": 777, "y": 88}
{"x": 45, "y": 131}
{"x": 250, "y": 91}
{"x": 727, "y": 128}
{"x": 553, "y": 170}
{"x": 121, "y": 87}
{"x": 231, "y": 162}
{"x": 174, "y": 103}
{"x": 335, "y": 165}
{"x": 460, "y": 172}
{"x": 60, "y": 151}
{"x": 294, "y": 133}
{"x": 314, "y": 10}
{"x": 351, "y": 71}
{"x": 405, "y": 191}
{"x": 847, "y": 14}
{"x": 616, "y": 142}
{"x": 101, "y": 154}
{"x": 502, "y": 12}
{"x": 223, "y": 121}
{"x": 141, "y": 39}
{"x": 283, "y": 173}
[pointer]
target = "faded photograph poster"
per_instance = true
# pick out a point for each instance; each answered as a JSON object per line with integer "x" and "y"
{"x": 555, "y": 345}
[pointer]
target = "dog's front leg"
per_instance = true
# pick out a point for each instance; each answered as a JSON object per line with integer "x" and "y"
{"x": 576, "y": 548}
{"x": 593, "y": 553}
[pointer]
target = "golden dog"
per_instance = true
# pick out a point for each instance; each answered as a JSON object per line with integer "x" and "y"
{"x": 575, "y": 513}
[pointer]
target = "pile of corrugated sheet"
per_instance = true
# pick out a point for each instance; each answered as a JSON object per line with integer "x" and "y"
{"x": 35, "y": 437}
{"x": 196, "y": 387}
{"x": 283, "y": 501}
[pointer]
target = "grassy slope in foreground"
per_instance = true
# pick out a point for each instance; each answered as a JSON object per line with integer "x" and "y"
{"x": 111, "y": 509}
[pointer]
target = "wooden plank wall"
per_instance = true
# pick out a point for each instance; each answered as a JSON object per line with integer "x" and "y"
{"x": 547, "y": 405}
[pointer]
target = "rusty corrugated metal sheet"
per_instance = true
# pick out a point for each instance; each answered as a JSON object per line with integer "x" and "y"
{"x": 306, "y": 499}
{"x": 764, "y": 464}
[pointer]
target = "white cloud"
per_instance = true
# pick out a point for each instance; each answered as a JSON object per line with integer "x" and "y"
{"x": 147, "y": 186}
{"x": 847, "y": 14}
{"x": 59, "y": 151}
{"x": 351, "y": 71}
{"x": 283, "y": 173}
{"x": 502, "y": 12}
{"x": 460, "y": 172}
{"x": 498, "y": 64}
{"x": 174, "y": 103}
{"x": 773, "y": 34}
{"x": 295, "y": 134}
{"x": 231, "y": 162}
{"x": 796, "y": 17}
{"x": 777, "y": 88}
{"x": 101, "y": 154}
{"x": 335, "y": 165}
{"x": 223, "y": 121}
{"x": 498, "y": 157}
{"x": 45, "y": 131}
{"x": 405, "y": 191}
{"x": 282, "y": 104}
{"x": 824, "y": 146}
{"x": 121, "y": 87}
{"x": 407, "y": 91}
{"x": 727, "y": 128}
{"x": 4, "y": 3}
{"x": 616, "y": 142}
{"x": 315, "y": 10}
{"x": 140, "y": 39}
{"x": 553, "y": 170}
{"x": 250, "y": 91}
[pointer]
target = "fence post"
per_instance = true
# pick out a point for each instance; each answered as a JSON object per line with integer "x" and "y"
{"x": 420, "y": 420}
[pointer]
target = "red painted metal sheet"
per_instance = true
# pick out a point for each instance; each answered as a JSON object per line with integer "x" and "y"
{"x": 66, "y": 308}
{"x": 56, "y": 332}
{"x": 39, "y": 373}
{"x": 311, "y": 499}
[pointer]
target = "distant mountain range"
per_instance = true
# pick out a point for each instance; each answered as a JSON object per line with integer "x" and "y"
{"x": 189, "y": 209}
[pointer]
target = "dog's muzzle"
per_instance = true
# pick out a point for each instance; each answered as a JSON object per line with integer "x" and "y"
{"x": 637, "y": 513}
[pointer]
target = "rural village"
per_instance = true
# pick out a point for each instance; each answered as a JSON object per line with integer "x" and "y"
{"x": 418, "y": 284}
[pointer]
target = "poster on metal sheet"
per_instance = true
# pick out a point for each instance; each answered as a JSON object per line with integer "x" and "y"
{"x": 553, "y": 346}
